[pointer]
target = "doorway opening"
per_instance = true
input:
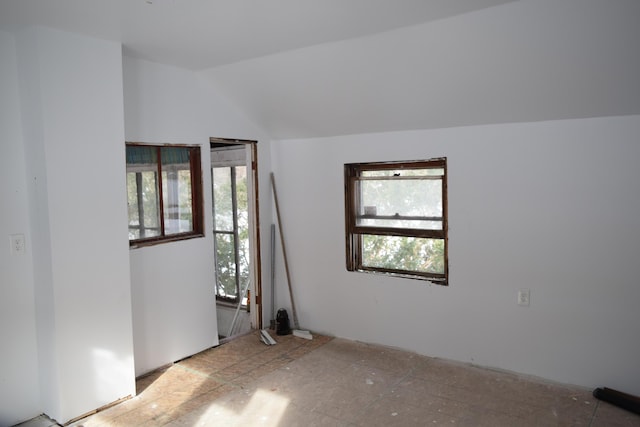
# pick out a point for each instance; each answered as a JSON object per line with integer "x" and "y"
{"x": 236, "y": 236}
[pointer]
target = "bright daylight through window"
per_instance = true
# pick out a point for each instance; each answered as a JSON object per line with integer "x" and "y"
{"x": 231, "y": 231}
{"x": 164, "y": 193}
{"x": 396, "y": 218}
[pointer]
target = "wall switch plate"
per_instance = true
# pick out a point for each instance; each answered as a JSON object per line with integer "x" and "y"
{"x": 17, "y": 244}
{"x": 524, "y": 297}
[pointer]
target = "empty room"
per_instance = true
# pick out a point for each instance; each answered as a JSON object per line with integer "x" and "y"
{"x": 432, "y": 207}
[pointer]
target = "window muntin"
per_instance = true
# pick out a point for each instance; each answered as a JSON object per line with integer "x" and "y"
{"x": 173, "y": 213}
{"x": 396, "y": 219}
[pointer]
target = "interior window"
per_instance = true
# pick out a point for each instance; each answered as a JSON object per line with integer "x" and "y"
{"x": 164, "y": 189}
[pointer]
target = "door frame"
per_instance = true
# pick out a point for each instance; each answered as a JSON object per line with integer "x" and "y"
{"x": 251, "y": 148}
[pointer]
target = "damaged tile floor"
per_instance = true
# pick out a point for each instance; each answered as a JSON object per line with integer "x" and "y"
{"x": 336, "y": 382}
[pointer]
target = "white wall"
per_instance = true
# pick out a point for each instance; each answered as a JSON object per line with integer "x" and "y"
{"x": 173, "y": 283}
{"x": 67, "y": 303}
{"x": 19, "y": 386}
{"x": 553, "y": 207}
{"x": 73, "y": 130}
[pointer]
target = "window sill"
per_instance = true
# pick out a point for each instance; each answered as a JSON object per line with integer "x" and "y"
{"x": 229, "y": 304}
{"x": 135, "y": 244}
{"x": 441, "y": 281}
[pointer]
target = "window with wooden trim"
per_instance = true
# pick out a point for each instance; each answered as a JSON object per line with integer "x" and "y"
{"x": 164, "y": 193}
{"x": 396, "y": 218}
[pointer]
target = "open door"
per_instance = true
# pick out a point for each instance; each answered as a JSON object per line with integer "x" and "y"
{"x": 236, "y": 236}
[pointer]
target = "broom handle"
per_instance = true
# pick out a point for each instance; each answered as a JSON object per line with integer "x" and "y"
{"x": 284, "y": 253}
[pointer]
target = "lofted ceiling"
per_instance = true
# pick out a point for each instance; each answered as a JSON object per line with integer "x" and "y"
{"x": 525, "y": 61}
{"x": 313, "y": 68}
{"x": 198, "y": 34}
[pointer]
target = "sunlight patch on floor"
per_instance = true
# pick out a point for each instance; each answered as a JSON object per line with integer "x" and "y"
{"x": 265, "y": 408}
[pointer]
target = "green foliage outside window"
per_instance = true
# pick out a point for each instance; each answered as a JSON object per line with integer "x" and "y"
{"x": 229, "y": 223}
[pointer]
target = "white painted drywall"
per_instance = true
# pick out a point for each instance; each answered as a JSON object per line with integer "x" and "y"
{"x": 73, "y": 127}
{"x": 553, "y": 207}
{"x": 33, "y": 143}
{"x": 173, "y": 284}
{"x": 19, "y": 386}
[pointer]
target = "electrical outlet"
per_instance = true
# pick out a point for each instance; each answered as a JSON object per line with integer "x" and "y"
{"x": 17, "y": 244}
{"x": 524, "y": 297}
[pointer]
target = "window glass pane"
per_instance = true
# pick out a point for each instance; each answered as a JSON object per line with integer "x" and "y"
{"x": 243, "y": 222}
{"x": 132, "y": 203}
{"x": 185, "y": 200}
{"x": 222, "y": 202}
{"x": 225, "y": 266}
{"x": 150, "y": 202}
{"x": 176, "y": 193}
{"x": 229, "y": 193}
{"x": 143, "y": 217}
{"x": 176, "y": 190}
{"x": 403, "y": 253}
{"x": 400, "y": 203}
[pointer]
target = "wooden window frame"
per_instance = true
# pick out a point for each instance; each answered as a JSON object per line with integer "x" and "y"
{"x": 195, "y": 170}
{"x": 353, "y": 172}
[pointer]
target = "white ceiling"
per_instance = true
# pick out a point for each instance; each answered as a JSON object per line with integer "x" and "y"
{"x": 198, "y": 34}
{"x": 309, "y": 68}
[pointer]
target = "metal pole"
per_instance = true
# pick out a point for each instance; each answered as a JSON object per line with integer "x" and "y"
{"x": 273, "y": 277}
{"x": 284, "y": 254}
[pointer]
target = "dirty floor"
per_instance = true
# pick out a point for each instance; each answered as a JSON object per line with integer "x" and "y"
{"x": 336, "y": 382}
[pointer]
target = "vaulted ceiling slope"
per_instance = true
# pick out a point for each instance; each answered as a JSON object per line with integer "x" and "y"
{"x": 529, "y": 60}
{"x": 312, "y": 68}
